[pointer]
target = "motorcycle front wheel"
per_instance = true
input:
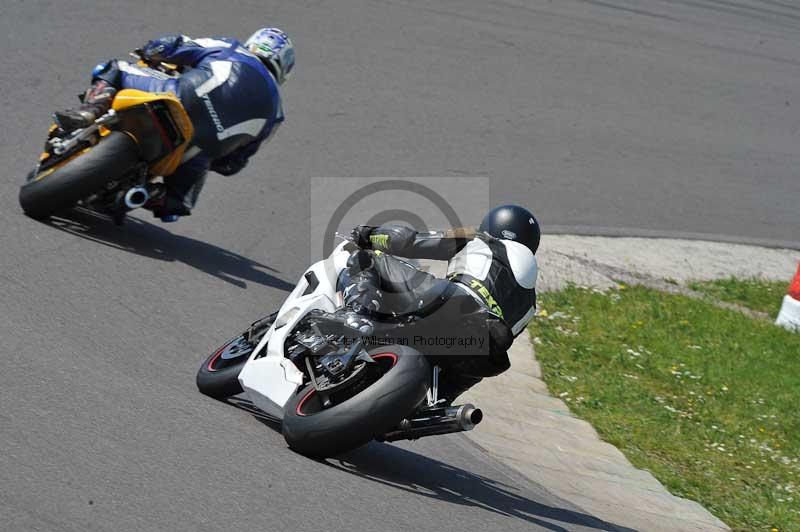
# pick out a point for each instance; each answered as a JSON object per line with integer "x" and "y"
{"x": 399, "y": 383}
{"x": 218, "y": 376}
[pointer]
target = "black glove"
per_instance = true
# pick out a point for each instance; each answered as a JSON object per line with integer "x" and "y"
{"x": 359, "y": 261}
{"x": 360, "y": 235}
{"x": 159, "y": 49}
{"x": 391, "y": 238}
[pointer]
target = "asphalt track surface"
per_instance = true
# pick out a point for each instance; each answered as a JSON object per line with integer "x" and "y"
{"x": 654, "y": 117}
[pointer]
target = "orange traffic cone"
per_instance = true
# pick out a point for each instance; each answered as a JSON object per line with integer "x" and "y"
{"x": 789, "y": 316}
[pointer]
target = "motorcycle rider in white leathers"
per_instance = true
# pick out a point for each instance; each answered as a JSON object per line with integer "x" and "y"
{"x": 493, "y": 269}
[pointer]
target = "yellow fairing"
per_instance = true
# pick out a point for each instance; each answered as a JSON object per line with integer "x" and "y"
{"x": 130, "y": 97}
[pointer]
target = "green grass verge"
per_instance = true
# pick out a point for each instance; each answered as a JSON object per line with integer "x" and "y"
{"x": 704, "y": 398}
{"x": 755, "y": 294}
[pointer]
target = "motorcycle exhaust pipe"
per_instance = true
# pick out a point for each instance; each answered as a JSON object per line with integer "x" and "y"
{"x": 135, "y": 197}
{"x": 436, "y": 421}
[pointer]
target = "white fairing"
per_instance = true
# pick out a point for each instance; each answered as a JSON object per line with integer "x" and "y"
{"x": 269, "y": 381}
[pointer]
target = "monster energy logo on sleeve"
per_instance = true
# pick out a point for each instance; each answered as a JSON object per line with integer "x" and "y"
{"x": 379, "y": 241}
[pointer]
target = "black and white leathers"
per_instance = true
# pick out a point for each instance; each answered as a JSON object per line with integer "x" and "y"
{"x": 500, "y": 273}
{"x": 500, "y": 270}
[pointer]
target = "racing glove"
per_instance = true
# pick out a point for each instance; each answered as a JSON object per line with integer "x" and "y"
{"x": 360, "y": 235}
{"x": 159, "y": 49}
{"x": 359, "y": 261}
{"x": 393, "y": 239}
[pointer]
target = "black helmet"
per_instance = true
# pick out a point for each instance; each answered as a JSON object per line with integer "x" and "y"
{"x": 512, "y": 222}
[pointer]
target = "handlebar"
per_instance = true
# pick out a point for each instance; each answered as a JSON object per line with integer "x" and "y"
{"x": 166, "y": 68}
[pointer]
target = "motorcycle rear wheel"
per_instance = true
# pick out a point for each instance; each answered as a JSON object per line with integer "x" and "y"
{"x": 111, "y": 159}
{"x": 315, "y": 431}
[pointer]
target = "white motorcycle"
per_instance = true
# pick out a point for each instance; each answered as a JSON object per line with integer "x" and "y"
{"x": 308, "y": 365}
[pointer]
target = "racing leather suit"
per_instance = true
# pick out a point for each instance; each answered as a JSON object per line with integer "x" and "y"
{"x": 498, "y": 276}
{"x": 230, "y": 96}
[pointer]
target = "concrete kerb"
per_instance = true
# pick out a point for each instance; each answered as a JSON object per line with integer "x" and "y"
{"x": 537, "y": 435}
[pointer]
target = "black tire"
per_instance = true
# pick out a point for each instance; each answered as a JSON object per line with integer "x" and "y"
{"x": 358, "y": 420}
{"x": 218, "y": 377}
{"x": 113, "y": 157}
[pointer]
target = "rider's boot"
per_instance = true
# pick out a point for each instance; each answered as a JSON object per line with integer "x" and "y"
{"x": 168, "y": 208}
{"x": 96, "y": 102}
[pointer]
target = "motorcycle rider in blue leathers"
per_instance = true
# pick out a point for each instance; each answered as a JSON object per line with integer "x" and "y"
{"x": 229, "y": 90}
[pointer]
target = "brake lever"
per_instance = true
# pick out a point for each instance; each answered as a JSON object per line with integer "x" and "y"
{"x": 346, "y": 238}
{"x": 351, "y": 245}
